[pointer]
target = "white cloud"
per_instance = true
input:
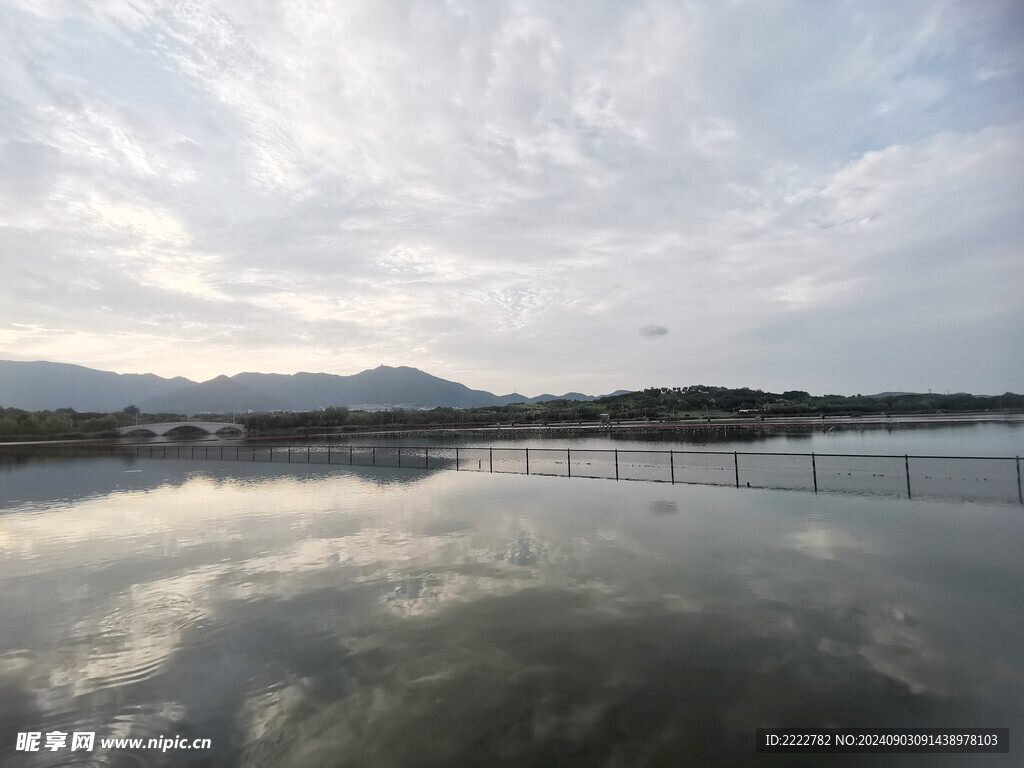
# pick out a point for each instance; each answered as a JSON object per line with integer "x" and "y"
{"x": 494, "y": 191}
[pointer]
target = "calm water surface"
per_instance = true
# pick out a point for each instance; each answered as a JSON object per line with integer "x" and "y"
{"x": 965, "y": 439}
{"x": 327, "y": 616}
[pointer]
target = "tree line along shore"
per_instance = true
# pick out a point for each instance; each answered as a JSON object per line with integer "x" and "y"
{"x": 664, "y": 403}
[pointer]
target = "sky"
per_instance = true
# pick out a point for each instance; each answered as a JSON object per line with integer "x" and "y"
{"x": 538, "y": 197}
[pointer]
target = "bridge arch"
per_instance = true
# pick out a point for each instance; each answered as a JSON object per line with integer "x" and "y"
{"x": 159, "y": 430}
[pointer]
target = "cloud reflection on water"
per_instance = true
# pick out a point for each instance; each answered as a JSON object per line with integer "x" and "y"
{"x": 493, "y": 618}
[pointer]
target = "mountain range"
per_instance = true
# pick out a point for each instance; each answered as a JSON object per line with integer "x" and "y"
{"x": 43, "y": 385}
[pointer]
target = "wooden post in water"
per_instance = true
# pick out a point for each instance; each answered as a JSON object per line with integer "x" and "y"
{"x": 328, "y": 454}
{"x": 426, "y": 457}
{"x": 906, "y": 465}
{"x": 456, "y": 458}
{"x": 373, "y": 455}
{"x": 814, "y": 471}
{"x": 616, "y": 463}
{"x": 399, "y": 455}
{"x": 307, "y": 454}
{"x": 271, "y": 454}
{"x": 672, "y": 467}
{"x": 490, "y": 458}
{"x": 568, "y": 461}
{"x": 222, "y": 453}
{"x": 1020, "y": 496}
{"x": 289, "y": 454}
{"x": 350, "y": 455}
{"x": 527, "y": 461}
{"x": 736, "y": 466}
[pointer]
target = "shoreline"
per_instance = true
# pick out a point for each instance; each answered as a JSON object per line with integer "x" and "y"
{"x": 713, "y": 426}
{"x": 656, "y": 429}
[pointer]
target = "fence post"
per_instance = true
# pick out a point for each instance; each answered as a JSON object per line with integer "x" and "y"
{"x": 456, "y": 458}
{"x": 672, "y": 466}
{"x": 490, "y": 458}
{"x": 616, "y": 463}
{"x": 527, "y": 461}
{"x": 814, "y": 471}
{"x": 736, "y": 467}
{"x": 568, "y": 461}
{"x": 906, "y": 465}
{"x": 1020, "y": 496}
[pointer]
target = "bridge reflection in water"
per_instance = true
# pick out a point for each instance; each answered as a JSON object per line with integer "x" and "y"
{"x": 981, "y": 478}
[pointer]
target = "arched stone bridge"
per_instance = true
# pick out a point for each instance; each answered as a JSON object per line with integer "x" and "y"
{"x": 210, "y": 427}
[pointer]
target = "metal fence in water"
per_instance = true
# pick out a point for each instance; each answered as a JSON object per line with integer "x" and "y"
{"x": 960, "y": 477}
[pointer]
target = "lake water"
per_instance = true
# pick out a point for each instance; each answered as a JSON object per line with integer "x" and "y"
{"x": 966, "y": 439}
{"x": 333, "y": 616}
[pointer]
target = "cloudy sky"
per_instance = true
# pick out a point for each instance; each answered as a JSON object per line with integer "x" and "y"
{"x": 541, "y": 196}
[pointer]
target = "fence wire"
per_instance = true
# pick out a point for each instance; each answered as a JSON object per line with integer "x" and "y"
{"x": 957, "y": 477}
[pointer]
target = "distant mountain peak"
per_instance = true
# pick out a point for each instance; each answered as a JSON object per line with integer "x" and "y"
{"x": 43, "y": 385}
